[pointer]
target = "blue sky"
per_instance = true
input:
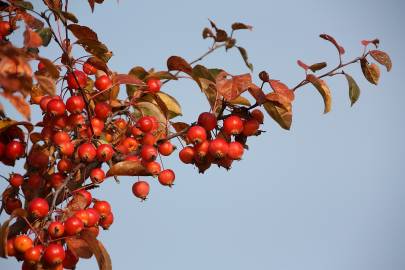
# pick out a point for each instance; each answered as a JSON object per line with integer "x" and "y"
{"x": 327, "y": 195}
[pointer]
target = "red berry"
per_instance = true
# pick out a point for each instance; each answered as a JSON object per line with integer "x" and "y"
{"x": 83, "y": 215}
{"x": 87, "y": 152}
{"x": 201, "y": 149}
{"x": 148, "y": 153}
{"x": 106, "y": 222}
{"x": 140, "y": 189}
{"x": 104, "y": 152}
{"x": 166, "y": 177}
{"x": 250, "y": 127}
{"x": 41, "y": 66}
{"x": 86, "y": 195}
{"x": 67, "y": 148}
{"x": 103, "y": 208}
{"x": 89, "y": 69}
{"x": 152, "y": 167}
{"x": 207, "y": 120}
{"x": 132, "y": 158}
{"x": 44, "y": 102}
{"x": 12, "y": 204}
{"x": 54, "y": 254}
{"x": 73, "y": 226}
{"x": 22, "y": 243}
{"x": 34, "y": 254}
{"x": 10, "y": 247}
{"x": 102, "y": 110}
{"x": 97, "y": 125}
{"x": 130, "y": 144}
{"x": 38, "y": 207}
{"x": 5, "y": 28}
{"x": 56, "y": 180}
{"x": 14, "y": 150}
{"x": 166, "y": 148}
{"x": 56, "y": 229}
{"x": 258, "y": 115}
{"x": 60, "y": 137}
{"x": 60, "y": 122}
{"x": 148, "y": 139}
{"x": 64, "y": 165}
{"x": 97, "y": 175}
{"x": 225, "y": 162}
{"x": 70, "y": 260}
{"x": 93, "y": 217}
{"x": 233, "y": 125}
{"x": 16, "y": 180}
{"x": 76, "y": 120}
{"x": 76, "y": 79}
{"x": 154, "y": 85}
{"x": 56, "y": 107}
{"x": 75, "y": 104}
{"x": 186, "y": 155}
{"x": 196, "y": 134}
{"x": 34, "y": 181}
{"x": 218, "y": 148}
{"x": 145, "y": 123}
{"x": 103, "y": 82}
{"x": 235, "y": 150}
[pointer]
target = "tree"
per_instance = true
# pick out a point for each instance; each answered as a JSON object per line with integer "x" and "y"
{"x": 128, "y": 134}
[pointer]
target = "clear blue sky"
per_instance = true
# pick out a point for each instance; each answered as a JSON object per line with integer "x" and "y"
{"x": 327, "y": 195}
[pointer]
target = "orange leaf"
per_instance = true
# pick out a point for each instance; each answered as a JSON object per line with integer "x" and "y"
{"x": 19, "y": 103}
{"x": 282, "y": 89}
{"x": 127, "y": 168}
{"x": 32, "y": 39}
{"x": 233, "y": 87}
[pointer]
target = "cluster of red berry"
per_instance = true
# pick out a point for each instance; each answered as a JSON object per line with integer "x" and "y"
{"x": 213, "y": 144}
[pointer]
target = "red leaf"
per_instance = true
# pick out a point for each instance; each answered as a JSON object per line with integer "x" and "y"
{"x": 32, "y": 39}
{"x": 179, "y": 64}
{"x": 103, "y": 259}
{"x": 303, "y": 65}
{"x": 82, "y": 32}
{"x": 233, "y": 87}
{"x": 282, "y": 89}
{"x": 127, "y": 79}
{"x": 79, "y": 247}
{"x": 382, "y": 58}
{"x": 257, "y": 93}
{"x": 340, "y": 49}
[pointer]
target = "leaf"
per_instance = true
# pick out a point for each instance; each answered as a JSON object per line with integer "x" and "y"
{"x": 180, "y": 126}
{"x": 46, "y": 84}
{"x": 317, "y": 66}
{"x": 140, "y": 73}
{"x": 375, "y": 41}
{"x": 233, "y": 87}
{"x": 179, "y": 64}
{"x": 127, "y": 79}
{"x": 303, "y": 65}
{"x": 281, "y": 115}
{"x": 32, "y": 39}
{"x": 221, "y": 35}
{"x": 240, "y": 101}
{"x": 31, "y": 21}
{"x": 382, "y": 57}
{"x": 354, "y": 90}
{"x": 7, "y": 123}
{"x": 46, "y": 35}
{"x": 206, "y": 33}
{"x": 4, "y": 229}
{"x": 127, "y": 168}
{"x": 79, "y": 247}
{"x": 257, "y": 93}
{"x": 50, "y": 68}
{"x": 239, "y": 26}
{"x": 329, "y": 38}
{"x": 82, "y": 32}
{"x": 279, "y": 100}
{"x": 103, "y": 259}
{"x": 69, "y": 16}
{"x": 172, "y": 105}
{"x": 19, "y": 104}
{"x": 23, "y": 4}
{"x": 149, "y": 108}
{"x": 370, "y": 71}
{"x": 244, "y": 55}
{"x": 282, "y": 89}
{"x": 95, "y": 48}
{"x": 323, "y": 89}
{"x": 161, "y": 75}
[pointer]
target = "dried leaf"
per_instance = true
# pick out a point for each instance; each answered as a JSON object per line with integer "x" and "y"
{"x": 303, "y": 65}
{"x": 240, "y": 101}
{"x": 238, "y": 26}
{"x": 127, "y": 79}
{"x": 370, "y": 71}
{"x": 7, "y": 123}
{"x": 69, "y": 16}
{"x": 172, "y": 105}
{"x": 375, "y": 41}
{"x": 282, "y": 89}
{"x": 140, "y": 73}
{"x": 354, "y": 90}
{"x": 95, "y": 48}
{"x": 103, "y": 259}
{"x": 31, "y": 21}
{"x": 46, "y": 84}
{"x": 79, "y": 247}
{"x": 245, "y": 57}
{"x": 317, "y": 66}
{"x": 4, "y": 229}
{"x": 279, "y": 100}
{"x": 32, "y": 39}
{"x": 82, "y": 32}
{"x": 329, "y": 38}
{"x": 98, "y": 64}
{"x": 206, "y": 33}
{"x": 221, "y": 35}
{"x": 233, "y": 87}
{"x": 257, "y": 93}
{"x": 19, "y": 104}
{"x": 179, "y": 64}
{"x": 323, "y": 89}
{"x": 382, "y": 57}
{"x": 281, "y": 115}
{"x": 46, "y": 35}
{"x": 50, "y": 68}
{"x": 127, "y": 168}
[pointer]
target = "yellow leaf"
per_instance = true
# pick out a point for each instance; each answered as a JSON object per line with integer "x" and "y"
{"x": 323, "y": 89}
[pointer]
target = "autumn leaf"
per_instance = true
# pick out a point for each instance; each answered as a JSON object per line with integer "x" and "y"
{"x": 382, "y": 57}
{"x": 19, "y": 104}
{"x": 282, "y": 89}
{"x": 317, "y": 66}
{"x": 283, "y": 116}
{"x": 303, "y": 65}
{"x": 32, "y": 39}
{"x": 179, "y": 64}
{"x": 82, "y": 32}
{"x": 127, "y": 79}
{"x": 329, "y": 38}
{"x": 323, "y": 89}
{"x": 257, "y": 93}
{"x": 127, "y": 168}
{"x": 239, "y": 26}
{"x": 46, "y": 84}
{"x": 96, "y": 48}
{"x": 245, "y": 57}
{"x": 102, "y": 256}
{"x": 370, "y": 71}
{"x": 79, "y": 247}
{"x": 7, "y": 123}
{"x": 233, "y": 87}
{"x": 240, "y": 101}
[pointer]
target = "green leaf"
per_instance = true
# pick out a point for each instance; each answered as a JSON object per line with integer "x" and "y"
{"x": 46, "y": 35}
{"x": 244, "y": 55}
{"x": 354, "y": 90}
